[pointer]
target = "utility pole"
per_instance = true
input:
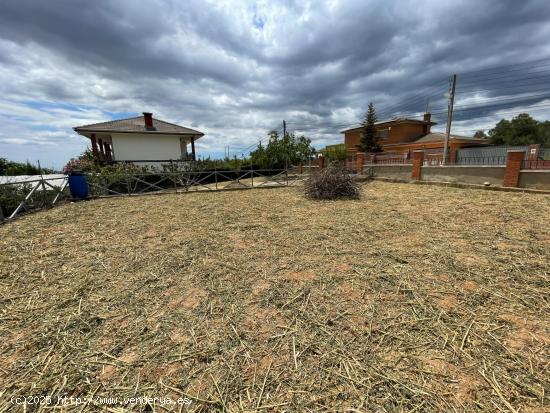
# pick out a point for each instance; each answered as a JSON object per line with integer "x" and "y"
{"x": 449, "y": 118}
{"x": 284, "y": 128}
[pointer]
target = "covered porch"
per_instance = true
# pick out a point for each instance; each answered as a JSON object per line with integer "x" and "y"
{"x": 104, "y": 151}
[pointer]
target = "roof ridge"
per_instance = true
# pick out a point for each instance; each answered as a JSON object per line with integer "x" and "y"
{"x": 136, "y": 124}
{"x": 107, "y": 121}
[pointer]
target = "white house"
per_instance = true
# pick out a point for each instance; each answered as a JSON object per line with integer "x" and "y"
{"x": 141, "y": 139}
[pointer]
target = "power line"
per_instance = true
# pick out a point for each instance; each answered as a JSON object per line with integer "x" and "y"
{"x": 531, "y": 63}
{"x": 523, "y": 81}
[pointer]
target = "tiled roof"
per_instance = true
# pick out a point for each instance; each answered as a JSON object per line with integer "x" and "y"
{"x": 394, "y": 120}
{"x": 137, "y": 124}
{"x": 440, "y": 136}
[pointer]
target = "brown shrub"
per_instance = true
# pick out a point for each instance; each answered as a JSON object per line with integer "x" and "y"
{"x": 331, "y": 183}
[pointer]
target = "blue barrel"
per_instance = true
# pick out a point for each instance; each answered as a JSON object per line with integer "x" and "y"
{"x": 78, "y": 185}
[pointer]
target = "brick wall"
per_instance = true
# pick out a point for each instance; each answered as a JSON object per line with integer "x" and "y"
{"x": 417, "y": 161}
{"x": 514, "y": 161}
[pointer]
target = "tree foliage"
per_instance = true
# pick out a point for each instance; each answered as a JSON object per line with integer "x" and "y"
{"x": 480, "y": 134}
{"x": 335, "y": 153}
{"x": 12, "y": 168}
{"x": 521, "y": 130}
{"x": 368, "y": 142}
{"x": 281, "y": 152}
{"x": 85, "y": 162}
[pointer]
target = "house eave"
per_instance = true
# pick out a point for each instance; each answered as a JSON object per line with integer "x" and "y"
{"x": 392, "y": 121}
{"x": 196, "y": 134}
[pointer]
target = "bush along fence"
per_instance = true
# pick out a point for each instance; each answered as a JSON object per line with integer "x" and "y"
{"x": 19, "y": 197}
{"x": 519, "y": 168}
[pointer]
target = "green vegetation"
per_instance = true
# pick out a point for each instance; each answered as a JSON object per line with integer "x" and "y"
{"x": 85, "y": 162}
{"x": 11, "y": 195}
{"x": 335, "y": 153}
{"x": 12, "y": 168}
{"x": 368, "y": 141}
{"x": 521, "y": 130}
{"x": 282, "y": 152}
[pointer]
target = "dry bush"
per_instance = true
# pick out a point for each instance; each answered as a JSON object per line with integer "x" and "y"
{"x": 332, "y": 183}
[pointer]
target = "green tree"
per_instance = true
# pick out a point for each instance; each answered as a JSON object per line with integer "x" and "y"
{"x": 480, "y": 134}
{"x": 335, "y": 153}
{"x": 3, "y": 166}
{"x": 368, "y": 142}
{"x": 12, "y": 168}
{"x": 521, "y": 130}
{"x": 84, "y": 162}
{"x": 281, "y": 152}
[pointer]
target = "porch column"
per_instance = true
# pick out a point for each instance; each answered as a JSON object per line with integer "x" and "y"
{"x": 101, "y": 149}
{"x": 107, "y": 147}
{"x": 193, "y": 148}
{"x": 95, "y": 151}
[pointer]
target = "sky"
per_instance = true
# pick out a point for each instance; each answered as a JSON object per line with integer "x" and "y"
{"x": 235, "y": 69}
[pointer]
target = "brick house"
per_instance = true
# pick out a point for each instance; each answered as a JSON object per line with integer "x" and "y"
{"x": 401, "y": 136}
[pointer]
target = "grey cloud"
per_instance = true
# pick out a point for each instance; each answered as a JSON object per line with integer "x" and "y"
{"x": 316, "y": 64}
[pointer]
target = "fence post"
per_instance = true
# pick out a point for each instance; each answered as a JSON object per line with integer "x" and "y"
{"x": 514, "y": 161}
{"x": 533, "y": 155}
{"x": 417, "y": 161}
{"x": 359, "y": 162}
{"x": 321, "y": 162}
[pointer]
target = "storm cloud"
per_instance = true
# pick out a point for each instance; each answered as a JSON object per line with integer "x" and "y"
{"x": 236, "y": 69}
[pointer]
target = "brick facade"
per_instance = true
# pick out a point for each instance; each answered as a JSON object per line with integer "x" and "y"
{"x": 417, "y": 161}
{"x": 514, "y": 161}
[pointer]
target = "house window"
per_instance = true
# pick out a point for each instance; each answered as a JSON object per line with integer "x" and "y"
{"x": 382, "y": 134}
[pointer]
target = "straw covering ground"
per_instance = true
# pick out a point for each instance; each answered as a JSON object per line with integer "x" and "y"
{"x": 413, "y": 298}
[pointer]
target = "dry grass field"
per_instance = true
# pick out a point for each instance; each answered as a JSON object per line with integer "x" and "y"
{"x": 414, "y": 298}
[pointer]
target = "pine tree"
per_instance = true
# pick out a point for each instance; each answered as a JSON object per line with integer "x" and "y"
{"x": 368, "y": 140}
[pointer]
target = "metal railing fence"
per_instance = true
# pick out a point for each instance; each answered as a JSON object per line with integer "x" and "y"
{"x": 25, "y": 196}
{"x": 18, "y": 197}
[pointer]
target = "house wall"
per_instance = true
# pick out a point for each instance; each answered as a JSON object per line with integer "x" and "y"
{"x": 133, "y": 147}
{"x": 352, "y": 139}
{"x": 399, "y": 132}
{"x": 403, "y": 132}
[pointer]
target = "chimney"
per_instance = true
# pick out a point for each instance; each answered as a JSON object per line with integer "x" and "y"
{"x": 148, "y": 117}
{"x": 427, "y": 122}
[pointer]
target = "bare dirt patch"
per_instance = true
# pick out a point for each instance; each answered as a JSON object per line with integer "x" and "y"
{"x": 300, "y": 276}
{"x": 186, "y": 299}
